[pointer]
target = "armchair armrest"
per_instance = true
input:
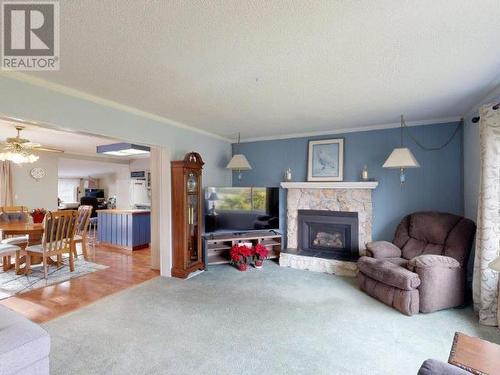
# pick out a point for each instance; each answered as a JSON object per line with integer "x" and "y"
{"x": 383, "y": 249}
{"x": 432, "y": 261}
{"x": 442, "y": 282}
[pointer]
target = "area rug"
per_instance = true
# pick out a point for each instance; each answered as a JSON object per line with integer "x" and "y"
{"x": 11, "y": 284}
{"x": 270, "y": 321}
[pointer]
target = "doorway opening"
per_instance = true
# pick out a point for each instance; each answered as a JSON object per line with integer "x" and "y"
{"x": 128, "y": 240}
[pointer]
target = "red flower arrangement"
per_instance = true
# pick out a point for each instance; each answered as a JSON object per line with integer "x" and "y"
{"x": 239, "y": 256}
{"x": 38, "y": 214}
{"x": 260, "y": 254}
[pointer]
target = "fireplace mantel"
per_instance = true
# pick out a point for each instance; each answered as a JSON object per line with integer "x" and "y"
{"x": 330, "y": 185}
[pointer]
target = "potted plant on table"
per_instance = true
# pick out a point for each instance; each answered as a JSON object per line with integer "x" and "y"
{"x": 38, "y": 214}
{"x": 260, "y": 254}
{"x": 240, "y": 255}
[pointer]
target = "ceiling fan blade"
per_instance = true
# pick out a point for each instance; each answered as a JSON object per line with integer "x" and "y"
{"x": 48, "y": 149}
{"x": 17, "y": 140}
{"x": 31, "y": 145}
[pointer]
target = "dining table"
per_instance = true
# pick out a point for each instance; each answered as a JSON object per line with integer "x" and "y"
{"x": 34, "y": 232}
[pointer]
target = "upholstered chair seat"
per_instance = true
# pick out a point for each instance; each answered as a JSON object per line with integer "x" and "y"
{"x": 18, "y": 240}
{"x": 424, "y": 268}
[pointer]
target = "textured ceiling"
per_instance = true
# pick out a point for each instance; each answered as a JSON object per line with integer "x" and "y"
{"x": 279, "y": 67}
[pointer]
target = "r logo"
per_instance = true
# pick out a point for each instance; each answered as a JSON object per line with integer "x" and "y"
{"x": 30, "y": 29}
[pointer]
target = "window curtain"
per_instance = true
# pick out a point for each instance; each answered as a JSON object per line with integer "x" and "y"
{"x": 6, "y": 191}
{"x": 485, "y": 284}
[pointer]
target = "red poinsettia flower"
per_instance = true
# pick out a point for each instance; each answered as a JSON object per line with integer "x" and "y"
{"x": 261, "y": 252}
{"x": 245, "y": 251}
{"x": 239, "y": 254}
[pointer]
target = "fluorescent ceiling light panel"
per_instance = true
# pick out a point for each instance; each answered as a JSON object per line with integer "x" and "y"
{"x": 123, "y": 149}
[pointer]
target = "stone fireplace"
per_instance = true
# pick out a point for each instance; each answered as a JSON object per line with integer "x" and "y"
{"x": 328, "y": 225}
{"x": 328, "y": 234}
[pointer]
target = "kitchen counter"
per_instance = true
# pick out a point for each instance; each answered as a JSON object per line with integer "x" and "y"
{"x": 124, "y": 229}
{"x": 125, "y": 212}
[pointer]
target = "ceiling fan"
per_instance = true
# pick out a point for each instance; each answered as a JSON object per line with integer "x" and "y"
{"x": 19, "y": 150}
{"x": 21, "y": 144}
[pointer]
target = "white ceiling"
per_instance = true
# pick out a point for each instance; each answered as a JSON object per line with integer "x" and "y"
{"x": 269, "y": 68}
{"x": 74, "y": 168}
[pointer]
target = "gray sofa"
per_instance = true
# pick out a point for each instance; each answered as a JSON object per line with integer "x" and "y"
{"x": 24, "y": 346}
{"x": 424, "y": 268}
{"x": 436, "y": 367}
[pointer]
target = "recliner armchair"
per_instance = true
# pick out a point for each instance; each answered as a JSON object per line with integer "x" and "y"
{"x": 424, "y": 268}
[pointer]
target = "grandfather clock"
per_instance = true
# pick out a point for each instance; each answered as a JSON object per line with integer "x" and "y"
{"x": 187, "y": 215}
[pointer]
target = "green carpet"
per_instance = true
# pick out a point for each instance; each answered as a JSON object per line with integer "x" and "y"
{"x": 270, "y": 321}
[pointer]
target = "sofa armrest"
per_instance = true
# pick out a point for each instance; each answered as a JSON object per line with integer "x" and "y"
{"x": 382, "y": 249}
{"x": 432, "y": 261}
{"x": 435, "y": 367}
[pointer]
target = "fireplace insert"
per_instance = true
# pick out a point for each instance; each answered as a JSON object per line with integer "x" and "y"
{"x": 328, "y": 234}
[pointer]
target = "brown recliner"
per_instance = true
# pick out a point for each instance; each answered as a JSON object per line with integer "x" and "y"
{"x": 424, "y": 268}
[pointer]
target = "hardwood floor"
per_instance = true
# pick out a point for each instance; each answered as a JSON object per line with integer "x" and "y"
{"x": 126, "y": 269}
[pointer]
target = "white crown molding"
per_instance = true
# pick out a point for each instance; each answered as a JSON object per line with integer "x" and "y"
{"x": 330, "y": 185}
{"x": 104, "y": 102}
{"x": 442, "y": 120}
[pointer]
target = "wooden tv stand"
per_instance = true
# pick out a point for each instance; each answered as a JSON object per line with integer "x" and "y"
{"x": 217, "y": 245}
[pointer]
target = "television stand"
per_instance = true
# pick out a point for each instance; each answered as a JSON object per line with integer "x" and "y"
{"x": 217, "y": 245}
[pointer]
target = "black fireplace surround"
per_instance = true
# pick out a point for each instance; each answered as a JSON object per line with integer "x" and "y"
{"x": 328, "y": 234}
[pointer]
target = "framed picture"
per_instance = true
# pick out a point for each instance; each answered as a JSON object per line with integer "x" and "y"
{"x": 326, "y": 160}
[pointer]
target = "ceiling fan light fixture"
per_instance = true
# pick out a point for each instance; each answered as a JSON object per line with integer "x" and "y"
{"x": 18, "y": 150}
{"x": 18, "y": 157}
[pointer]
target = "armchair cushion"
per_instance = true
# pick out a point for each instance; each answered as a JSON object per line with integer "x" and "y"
{"x": 399, "y": 261}
{"x": 383, "y": 249}
{"x": 426, "y": 261}
{"x": 388, "y": 273}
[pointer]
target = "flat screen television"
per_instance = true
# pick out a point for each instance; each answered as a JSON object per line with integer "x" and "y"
{"x": 94, "y": 193}
{"x": 241, "y": 209}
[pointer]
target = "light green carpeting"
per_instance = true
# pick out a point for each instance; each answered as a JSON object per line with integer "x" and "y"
{"x": 269, "y": 321}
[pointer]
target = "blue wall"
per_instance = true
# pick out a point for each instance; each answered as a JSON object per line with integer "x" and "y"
{"x": 437, "y": 185}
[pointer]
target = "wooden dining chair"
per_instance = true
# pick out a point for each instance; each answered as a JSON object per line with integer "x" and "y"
{"x": 58, "y": 236}
{"x": 14, "y": 209}
{"x": 82, "y": 229}
{"x": 14, "y": 214}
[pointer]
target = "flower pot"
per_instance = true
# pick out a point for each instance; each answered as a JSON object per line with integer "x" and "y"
{"x": 242, "y": 266}
{"x": 258, "y": 263}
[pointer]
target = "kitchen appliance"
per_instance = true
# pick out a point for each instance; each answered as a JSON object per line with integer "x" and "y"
{"x": 140, "y": 193}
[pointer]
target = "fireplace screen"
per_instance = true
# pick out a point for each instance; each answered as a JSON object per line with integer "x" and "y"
{"x": 331, "y": 234}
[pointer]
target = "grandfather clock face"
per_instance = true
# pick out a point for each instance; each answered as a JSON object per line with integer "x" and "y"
{"x": 192, "y": 182}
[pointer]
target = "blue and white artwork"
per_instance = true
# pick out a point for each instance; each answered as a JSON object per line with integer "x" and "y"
{"x": 326, "y": 159}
